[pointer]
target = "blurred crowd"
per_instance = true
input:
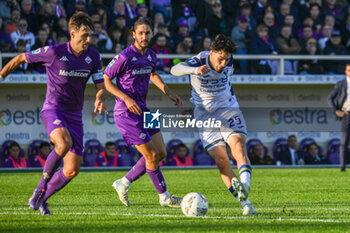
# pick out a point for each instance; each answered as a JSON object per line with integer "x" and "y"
{"x": 271, "y": 27}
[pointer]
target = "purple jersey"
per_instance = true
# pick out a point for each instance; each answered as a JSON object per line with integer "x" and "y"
{"x": 133, "y": 71}
{"x": 67, "y": 75}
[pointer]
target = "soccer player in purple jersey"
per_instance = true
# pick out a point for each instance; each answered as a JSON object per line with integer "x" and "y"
{"x": 68, "y": 67}
{"x": 133, "y": 68}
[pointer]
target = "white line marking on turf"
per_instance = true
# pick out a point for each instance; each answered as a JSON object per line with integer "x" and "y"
{"x": 182, "y": 216}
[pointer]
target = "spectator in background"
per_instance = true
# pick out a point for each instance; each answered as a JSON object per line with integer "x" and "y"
{"x": 334, "y": 47}
{"x": 48, "y": 13}
{"x": 23, "y": 68}
{"x": 12, "y": 25}
{"x": 326, "y": 35}
{"x": 61, "y": 28}
{"x": 218, "y": 22}
{"x": 105, "y": 43}
{"x": 6, "y": 9}
{"x": 269, "y": 21}
{"x": 329, "y": 20}
{"x": 306, "y": 34}
{"x": 258, "y": 156}
{"x": 163, "y": 7}
{"x": 290, "y": 46}
{"x": 345, "y": 29}
{"x": 180, "y": 159}
{"x": 142, "y": 10}
{"x": 284, "y": 10}
{"x": 182, "y": 31}
{"x": 30, "y": 16}
{"x": 120, "y": 22}
{"x": 181, "y": 48}
{"x": 189, "y": 44}
{"x": 289, "y": 21}
{"x": 41, "y": 39}
{"x": 6, "y": 44}
{"x": 263, "y": 44}
{"x": 246, "y": 10}
{"x": 241, "y": 35}
{"x": 116, "y": 35}
{"x": 258, "y": 9}
{"x": 62, "y": 39}
{"x": 131, "y": 9}
{"x": 23, "y": 34}
{"x": 40, "y": 159}
{"x": 47, "y": 26}
{"x": 290, "y": 156}
{"x": 161, "y": 47}
{"x": 157, "y": 20}
{"x": 14, "y": 159}
{"x": 118, "y": 10}
{"x": 202, "y": 45}
{"x": 76, "y": 5}
{"x": 313, "y": 156}
{"x": 310, "y": 66}
{"x": 108, "y": 157}
{"x": 316, "y": 16}
{"x": 331, "y": 7}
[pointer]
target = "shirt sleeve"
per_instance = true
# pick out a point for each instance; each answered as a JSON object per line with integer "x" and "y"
{"x": 116, "y": 67}
{"x": 96, "y": 73}
{"x": 45, "y": 54}
{"x": 189, "y": 66}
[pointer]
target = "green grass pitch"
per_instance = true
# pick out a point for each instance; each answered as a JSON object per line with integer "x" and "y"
{"x": 288, "y": 200}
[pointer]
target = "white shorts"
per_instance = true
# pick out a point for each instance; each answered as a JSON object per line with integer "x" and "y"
{"x": 232, "y": 122}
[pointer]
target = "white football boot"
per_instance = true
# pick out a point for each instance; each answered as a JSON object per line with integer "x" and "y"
{"x": 240, "y": 188}
{"x": 122, "y": 191}
{"x": 248, "y": 209}
{"x": 172, "y": 201}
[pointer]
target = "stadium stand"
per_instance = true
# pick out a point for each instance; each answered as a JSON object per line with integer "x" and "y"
{"x": 171, "y": 149}
{"x": 33, "y": 150}
{"x": 126, "y": 154}
{"x": 200, "y": 155}
{"x": 279, "y": 145}
{"x": 333, "y": 151}
{"x": 91, "y": 150}
{"x": 253, "y": 142}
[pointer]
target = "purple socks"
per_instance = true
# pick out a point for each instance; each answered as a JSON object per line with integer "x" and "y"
{"x": 57, "y": 182}
{"x": 53, "y": 161}
{"x": 137, "y": 171}
{"x": 157, "y": 180}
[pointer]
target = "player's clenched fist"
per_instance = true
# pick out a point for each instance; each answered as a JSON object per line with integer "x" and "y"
{"x": 203, "y": 69}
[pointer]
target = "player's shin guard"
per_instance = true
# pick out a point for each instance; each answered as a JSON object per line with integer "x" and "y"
{"x": 53, "y": 161}
{"x": 157, "y": 180}
{"x": 245, "y": 172}
{"x": 136, "y": 171}
{"x": 57, "y": 182}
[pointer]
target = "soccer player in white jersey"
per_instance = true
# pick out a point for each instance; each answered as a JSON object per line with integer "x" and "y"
{"x": 213, "y": 97}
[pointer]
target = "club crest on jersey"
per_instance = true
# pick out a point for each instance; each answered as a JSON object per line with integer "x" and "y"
{"x": 88, "y": 60}
{"x": 57, "y": 122}
{"x": 133, "y": 59}
{"x": 142, "y": 136}
{"x": 149, "y": 58}
{"x": 46, "y": 48}
{"x": 36, "y": 51}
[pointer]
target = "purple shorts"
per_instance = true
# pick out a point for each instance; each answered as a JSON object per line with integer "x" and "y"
{"x": 72, "y": 121}
{"x": 131, "y": 128}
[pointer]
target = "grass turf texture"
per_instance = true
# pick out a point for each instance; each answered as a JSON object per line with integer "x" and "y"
{"x": 288, "y": 200}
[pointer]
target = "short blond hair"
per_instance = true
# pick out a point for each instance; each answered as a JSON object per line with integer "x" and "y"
{"x": 80, "y": 19}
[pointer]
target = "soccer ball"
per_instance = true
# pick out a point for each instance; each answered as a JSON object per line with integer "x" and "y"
{"x": 194, "y": 204}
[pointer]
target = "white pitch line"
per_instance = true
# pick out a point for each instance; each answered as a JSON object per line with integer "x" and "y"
{"x": 182, "y": 216}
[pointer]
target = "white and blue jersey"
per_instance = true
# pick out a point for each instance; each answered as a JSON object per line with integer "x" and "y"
{"x": 213, "y": 97}
{"x": 212, "y": 90}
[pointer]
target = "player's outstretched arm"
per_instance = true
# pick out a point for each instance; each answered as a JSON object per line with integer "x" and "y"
{"x": 99, "y": 102}
{"x": 12, "y": 65}
{"x": 183, "y": 69}
{"x": 114, "y": 90}
{"x": 157, "y": 80}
